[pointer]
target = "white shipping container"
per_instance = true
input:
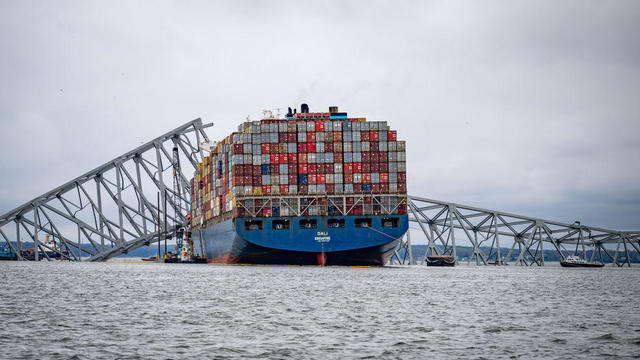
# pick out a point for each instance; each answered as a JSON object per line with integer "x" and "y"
{"x": 264, "y": 138}
{"x": 391, "y": 156}
{"x": 302, "y": 137}
{"x": 247, "y": 159}
{"x": 275, "y": 179}
{"x": 273, "y": 128}
{"x": 382, "y": 146}
{"x": 355, "y": 135}
{"x": 311, "y": 126}
{"x": 256, "y": 139}
{"x": 364, "y": 126}
{"x": 293, "y": 189}
{"x": 357, "y": 178}
{"x": 356, "y": 146}
{"x": 328, "y": 158}
{"x": 246, "y": 148}
{"x": 337, "y": 178}
{"x": 393, "y": 166}
{"x": 292, "y": 148}
{"x": 275, "y": 190}
{"x": 347, "y": 147}
{"x": 327, "y": 126}
{"x": 347, "y": 136}
{"x": 236, "y": 138}
{"x": 312, "y": 158}
{"x": 348, "y": 188}
{"x": 273, "y": 137}
{"x": 393, "y": 187}
{"x": 320, "y": 137}
{"x": 320, "y": 147}
{"x": 357, "y": 157}
{"x": 401, "y": 156}
{"x": 312, "y": 189}
{"x": 402, "y": 167}
{"x": 338, "y": 188}
{"x": 264, "y": 127}
{"x": 375, "y": 178}
{"x": 284, "y": 179}
{"x": 337, "y": 147}
{"x": 356, "y": 126}
{"x": 337, "y": 125}
{"x": 329, "y": 178}
{"x": 282, "y": 127}
{"x": 402, "y": 145}
{"x": 321, "y": 188}
{"x": 393, "y": 146}
{"x": 257, "y": 160}
{"x": 266, "y": 159}
{"x": 284, "y": 169}
{"x": 393, "y": 177}
{"x": 266, "y": 179}
{"x": 348, "y": 157}
{"x": 365, "y": 146}
{"x": 337, "y": 168}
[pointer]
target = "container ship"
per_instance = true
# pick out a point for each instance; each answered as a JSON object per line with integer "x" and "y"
{"x": 307, "y": 189}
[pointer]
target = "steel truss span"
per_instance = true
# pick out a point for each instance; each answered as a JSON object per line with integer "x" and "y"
{"x": 442, "y": 223}
{"x": 113, "y": 208}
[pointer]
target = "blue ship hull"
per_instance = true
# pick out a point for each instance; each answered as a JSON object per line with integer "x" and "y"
{"x": 348, "y": 240}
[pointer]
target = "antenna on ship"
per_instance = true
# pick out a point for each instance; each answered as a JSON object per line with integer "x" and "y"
{"x": 177, "y": 201}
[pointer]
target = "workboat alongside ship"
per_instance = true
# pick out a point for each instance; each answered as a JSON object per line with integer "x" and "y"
{"x": 312, "y": 188}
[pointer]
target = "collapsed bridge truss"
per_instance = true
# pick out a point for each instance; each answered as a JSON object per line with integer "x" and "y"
{"x": 113, "y": 208}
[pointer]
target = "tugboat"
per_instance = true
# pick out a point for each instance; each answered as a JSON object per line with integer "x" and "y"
{"x": 575, "y": 261}
{"x": 7, "y": 254}
{"x": 440, "y": 260}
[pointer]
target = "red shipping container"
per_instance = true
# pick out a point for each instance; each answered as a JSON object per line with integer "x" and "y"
{"x": 266, "y": 212}
{"x": 364, "y": 136}
{"x": 313, "y": 168}
{"x": 302, "y": 147}
{"x": 330, "y": 188}
{"x": 348, "y": 178}
{"x": 366, "y": 178}
{"x": 366, "y": 167}
{"x": 337, "y": 158}
{"x": 373, "y": 136}
{"x": 236, "y": 149}
{"x": 274, "y": 169}
{"x": 328, "y": 147}
{"x": 384, "y": 188}
{"x": 357, "y": 188}
{"x": 375, "y": 188}
{"x": 291, "y": 137}
{"x": 284, "y": 189}
{"x": 311, "y": 138}
{"x": 319, "y": 125}
{"x": 311, "y": 147}
{"x": 375, "y": 167}
{"x": 402, "y": 178}
{"x": 256, "y": 169}
{"x": 303, "y": 169}
{"x": 402, "y": 209}
{"x": 293, "y": 169}
{"x": 366, "y": 157}
{"x": 291, "y": 158}
{"x": 237, "y": 181}
{"x": 337, "y": 136}
{"x": 382, "y": 157}
{"x": 402, "y": 188}
{"x": 357, "y": 167}
{"x": 266, "y": 189}
{"x": 373, "y": 146}
{"x": 321, "y": 179}
{"x": 348, "y": 168}
{"x": 384, "y": 177}
{"x": 302, "y": 158}
{"x": 303, "y": 189}
{"x": 264, "y": 148}
{"x": 257, "y": 180}
{"x": 328, "y": 168}
{"x": 272, "y": 157}
{"x": 391, "y": 135}
{"x": 312, "y": 179}
{"x": 383, "y": 167}
{"x": 247, "y": 179}
{"x": 293, "y": 179}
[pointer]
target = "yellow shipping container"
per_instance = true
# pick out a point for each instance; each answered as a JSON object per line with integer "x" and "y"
{"x": 257, "y": 190}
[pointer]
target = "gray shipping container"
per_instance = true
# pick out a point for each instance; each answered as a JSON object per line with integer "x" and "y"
{"x": 266, "y": 179}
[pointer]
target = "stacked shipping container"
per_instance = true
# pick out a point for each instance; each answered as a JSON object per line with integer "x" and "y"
{"x": 308, "y": 156}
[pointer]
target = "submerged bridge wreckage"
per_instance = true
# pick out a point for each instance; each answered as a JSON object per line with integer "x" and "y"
{"x": 127, "y": 203}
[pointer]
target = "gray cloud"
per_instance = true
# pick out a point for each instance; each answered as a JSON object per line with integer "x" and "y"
{"x": 522, "y": 106}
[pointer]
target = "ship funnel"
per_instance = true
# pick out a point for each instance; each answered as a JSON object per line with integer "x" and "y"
{"x": 304, "y": 108}
{"x": 333, "y": 109}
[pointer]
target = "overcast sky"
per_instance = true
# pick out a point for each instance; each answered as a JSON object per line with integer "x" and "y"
{"x": 527, "y": 107}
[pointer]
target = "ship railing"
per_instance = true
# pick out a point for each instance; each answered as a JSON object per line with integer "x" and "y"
{"x": 320, "y": 205}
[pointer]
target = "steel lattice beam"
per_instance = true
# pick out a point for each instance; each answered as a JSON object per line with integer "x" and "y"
{"x": 116, "y": 215}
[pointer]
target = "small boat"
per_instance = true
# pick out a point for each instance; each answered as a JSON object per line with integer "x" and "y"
{"x": 501, "y": 262}
{"x": 7, "y": 254}
{"x": 151, "y": 258}
{"x": 575, "y": 261}
{"x": 440, "y": 260}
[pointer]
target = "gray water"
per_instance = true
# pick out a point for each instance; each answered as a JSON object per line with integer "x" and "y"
{"x": 112, "y": 310}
